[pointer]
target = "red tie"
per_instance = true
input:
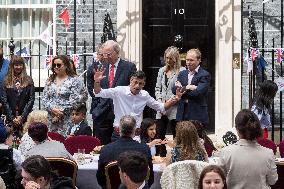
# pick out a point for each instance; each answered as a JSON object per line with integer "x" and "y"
{"x": 111, "y": 76}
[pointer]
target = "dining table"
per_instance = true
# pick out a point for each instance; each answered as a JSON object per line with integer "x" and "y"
{"x": 86, "y": 175}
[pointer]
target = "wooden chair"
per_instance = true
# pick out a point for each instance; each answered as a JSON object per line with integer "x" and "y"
{"x": 88, "y": 143}
{"x": 64, "y": 167}
{"x": 182, "y": 174}
{"x": 280, "y": 171}
{"x": 112, "y": 175}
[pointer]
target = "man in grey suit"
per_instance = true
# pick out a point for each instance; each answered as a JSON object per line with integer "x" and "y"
{"x": 118, "y": 73}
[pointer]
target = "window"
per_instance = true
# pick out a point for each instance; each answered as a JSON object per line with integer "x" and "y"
{"x": 25, "y": 20}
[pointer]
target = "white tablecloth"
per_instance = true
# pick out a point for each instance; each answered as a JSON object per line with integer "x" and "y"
{"x": 86, "y": 175}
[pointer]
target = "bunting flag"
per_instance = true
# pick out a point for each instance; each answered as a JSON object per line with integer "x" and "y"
{"x": 65, "y": 17}
{"x": 279, "y": 55}
{"x": 76, "y": 60}
{"x": 23, "y": 53}
{"x": 261, "y": 64}
{"x": 108, "y": 32}
{"x": 45, "y": 36}
{"x": 48, "y": 61}
{"x": 254, "y": 52}
{"x": 280, "y": 83}
{"x": 249, "y": 62}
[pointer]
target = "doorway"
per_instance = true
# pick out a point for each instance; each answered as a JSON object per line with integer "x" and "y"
{"x": 163, "y": 21}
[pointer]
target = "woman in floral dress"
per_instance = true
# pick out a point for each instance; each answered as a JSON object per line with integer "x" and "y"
{"x": 63, "y": 91}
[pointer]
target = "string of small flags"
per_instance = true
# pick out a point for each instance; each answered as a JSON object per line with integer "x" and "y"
{"x": 253, "y": 53}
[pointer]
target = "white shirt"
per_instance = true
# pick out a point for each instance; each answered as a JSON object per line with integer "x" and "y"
{"x": 126, "y": 103}
{"x": 142, "y": 185}
{"x": 191, "y": 74}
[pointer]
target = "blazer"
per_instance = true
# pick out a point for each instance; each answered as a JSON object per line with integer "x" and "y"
{"x": 248, "y": 165}
{"x": 24, "y": 101}
{"x": 164, "y": 92}
{"x": 111, "y": 152}
{"x": 3, "y": 73}
{"x": 50, "y": 149}
{"x": 83, "y": 129}
{"x": 193, "y": 104}
{"x": 102, "y": 109}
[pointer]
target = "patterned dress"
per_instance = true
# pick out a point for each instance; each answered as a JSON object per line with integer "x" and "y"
{"x": 176, "y": 151}
{"x": 65, "y": 96}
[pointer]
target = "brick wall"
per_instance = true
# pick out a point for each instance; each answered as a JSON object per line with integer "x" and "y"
{"x": 272, "y": 29}
{"x": 84, "y": 20}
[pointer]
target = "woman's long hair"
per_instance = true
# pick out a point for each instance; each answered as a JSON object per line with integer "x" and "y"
{"x": 174, "y": 54}
{"x": 24, "y": 78}
{"x": 66, "y": 61}
{"x": 265, "y": 95}
{"x": 188, "y": 141}
{"x": 145, "y": 124}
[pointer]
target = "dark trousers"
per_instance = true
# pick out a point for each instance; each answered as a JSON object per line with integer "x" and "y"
{"x": 103, "y": 131}
{"x": 162, "y": 125}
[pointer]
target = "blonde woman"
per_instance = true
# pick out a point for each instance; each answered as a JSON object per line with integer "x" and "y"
{"x": 26, "y": 142}
{"x": 166, "y": 79}
{"x": 188, "y": 145}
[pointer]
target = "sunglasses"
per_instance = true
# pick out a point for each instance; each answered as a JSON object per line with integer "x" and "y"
{"x": 57, "y": 65}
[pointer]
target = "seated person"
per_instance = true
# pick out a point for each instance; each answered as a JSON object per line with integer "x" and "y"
{"x": 133, "y": 168}
{"x": 27, "y": 142}
{"x": 79, "y": 124}
{"x": 187, "y": 144}
{"x": 125, "y": 142}
{"x": 148, "y": 136}
{"x": 38, "y": 132}
{"x": 37, "y": 174}
{"x": 6, "y": 141}
{"x": 208, "y": 144}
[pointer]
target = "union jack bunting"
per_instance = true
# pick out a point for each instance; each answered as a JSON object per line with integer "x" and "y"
{"x": 280, "y": 55}
{"x": 48, "y": 61}
{"x": 76, "y": 60}
{"x": 249, "y": 62}
{"x": 254, "y": 53}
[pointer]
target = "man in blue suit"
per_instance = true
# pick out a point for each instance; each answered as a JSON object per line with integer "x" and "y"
{"x": 195, "y": 82}
{"x": 118, "y": 73}
{"x": 4, "y": 66}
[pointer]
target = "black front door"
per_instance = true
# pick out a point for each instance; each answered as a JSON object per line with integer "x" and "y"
{"x": 194, "y": 21}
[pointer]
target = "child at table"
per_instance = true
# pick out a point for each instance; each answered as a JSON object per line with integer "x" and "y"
{"x": 148, "y": 136}
{"x": 80, "y": 125}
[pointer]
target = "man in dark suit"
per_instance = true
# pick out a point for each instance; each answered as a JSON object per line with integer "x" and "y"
{"x": 195, "y": 81}
{"x": 133, "y": 168}
{"x": 111, "y": 152}
{"x": 118, "y": 73}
